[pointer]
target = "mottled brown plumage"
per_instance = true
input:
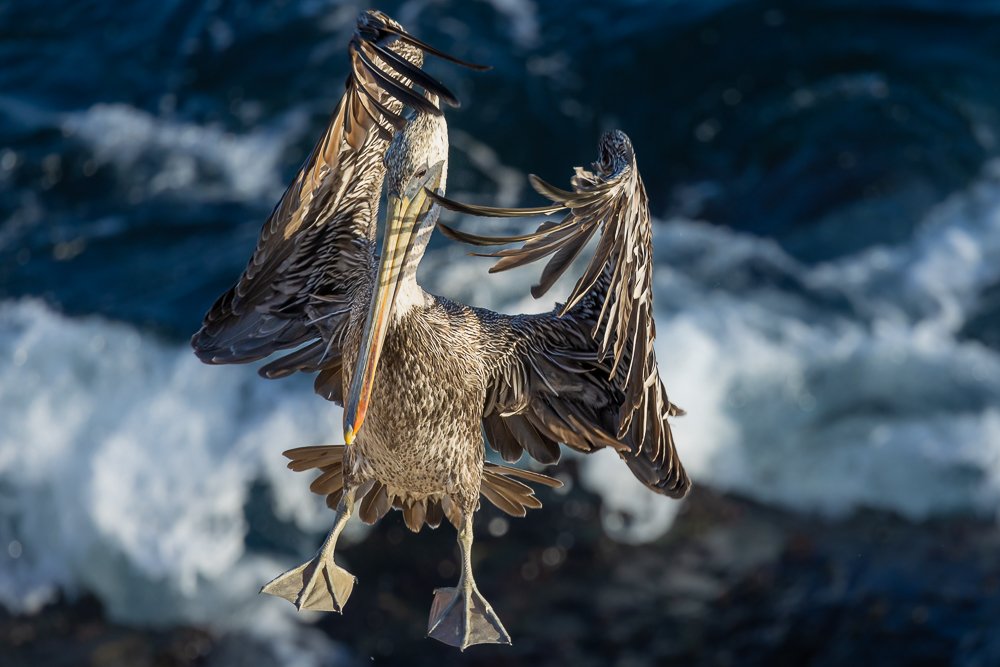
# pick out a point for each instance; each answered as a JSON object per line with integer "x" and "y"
{"x": 500, "y": 485}
{"x": 422, "y": 377}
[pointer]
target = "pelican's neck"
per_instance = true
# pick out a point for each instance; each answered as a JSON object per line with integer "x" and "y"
{"x": 410, "y": 294}
{"x": 421, "y": 144}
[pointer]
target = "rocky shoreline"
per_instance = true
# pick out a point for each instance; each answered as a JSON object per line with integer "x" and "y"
{"x": 733, "y": 583}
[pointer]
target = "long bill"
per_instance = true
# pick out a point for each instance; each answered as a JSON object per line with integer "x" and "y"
{"x": 405, "y": 213}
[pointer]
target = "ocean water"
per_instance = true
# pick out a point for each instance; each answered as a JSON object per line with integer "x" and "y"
{"x": 826, "y": 188}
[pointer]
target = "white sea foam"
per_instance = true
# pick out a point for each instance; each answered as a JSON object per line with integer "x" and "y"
{"x": 125, "y": 466}
{"x": 933, "y": 281}
{"x": 201, "y": 161}
{"x": 876, "y": 403}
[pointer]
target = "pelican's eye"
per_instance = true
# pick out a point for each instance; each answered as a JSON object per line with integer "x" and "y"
{"x": 421, "y": 172}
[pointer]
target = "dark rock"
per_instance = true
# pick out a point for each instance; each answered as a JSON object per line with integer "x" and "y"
{"x": 733, "y": 583}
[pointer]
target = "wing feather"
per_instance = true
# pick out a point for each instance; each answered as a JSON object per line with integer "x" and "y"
{"x": 298, "y": 285}
{"x": 624, "y": 406}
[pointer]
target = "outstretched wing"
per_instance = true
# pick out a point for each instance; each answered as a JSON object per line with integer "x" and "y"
{"x": 605, "y": 390}
{"x": 547, "y": 384}
{"x": 319, "y": 239}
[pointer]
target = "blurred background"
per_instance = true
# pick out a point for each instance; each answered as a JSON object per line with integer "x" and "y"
{"x": 826, "y": 189}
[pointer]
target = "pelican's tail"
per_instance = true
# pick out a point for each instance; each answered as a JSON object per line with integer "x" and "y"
{"x": 511, "y": 496}
{"x": 374, "y": 498}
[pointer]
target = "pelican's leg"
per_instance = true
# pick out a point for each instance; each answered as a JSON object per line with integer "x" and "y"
{"x": 461, "y": 616}
{"x": 319, "y": 585}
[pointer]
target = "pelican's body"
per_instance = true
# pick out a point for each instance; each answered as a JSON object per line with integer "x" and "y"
{"x": 422, "y": 437}
{"x": 422, "y": 378}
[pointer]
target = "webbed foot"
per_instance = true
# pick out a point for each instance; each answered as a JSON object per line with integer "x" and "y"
{"x": 462, "y": 617}
{"x": 319, "y": 585}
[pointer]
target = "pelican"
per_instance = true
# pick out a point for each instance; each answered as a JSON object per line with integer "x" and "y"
{"x": 421, "y": 377}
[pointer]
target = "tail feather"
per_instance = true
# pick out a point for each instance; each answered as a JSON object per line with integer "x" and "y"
{"x": 329, "y": 459}
{"x": 508, "y": 494}
{"x": 502, "y": 485}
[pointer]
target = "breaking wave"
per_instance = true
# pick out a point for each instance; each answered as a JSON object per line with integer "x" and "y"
{"x": 172, "y": 156}
{"x": 125, "y": 471}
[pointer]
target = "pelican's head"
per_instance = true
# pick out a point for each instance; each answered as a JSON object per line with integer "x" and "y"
{"x": 616, "y": 153}
{"x": 378, "y": 26}
{"x": 417, "y": 159}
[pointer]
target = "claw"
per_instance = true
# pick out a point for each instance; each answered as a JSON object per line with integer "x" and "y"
{"x": 463, "y": 617}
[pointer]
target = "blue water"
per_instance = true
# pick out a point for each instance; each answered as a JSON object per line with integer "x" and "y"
{"x": 828, "y": 126}
{"x": 825, "y": 181}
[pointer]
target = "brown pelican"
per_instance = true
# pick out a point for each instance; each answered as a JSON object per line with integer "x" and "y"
{"x": 424, "y": 377}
